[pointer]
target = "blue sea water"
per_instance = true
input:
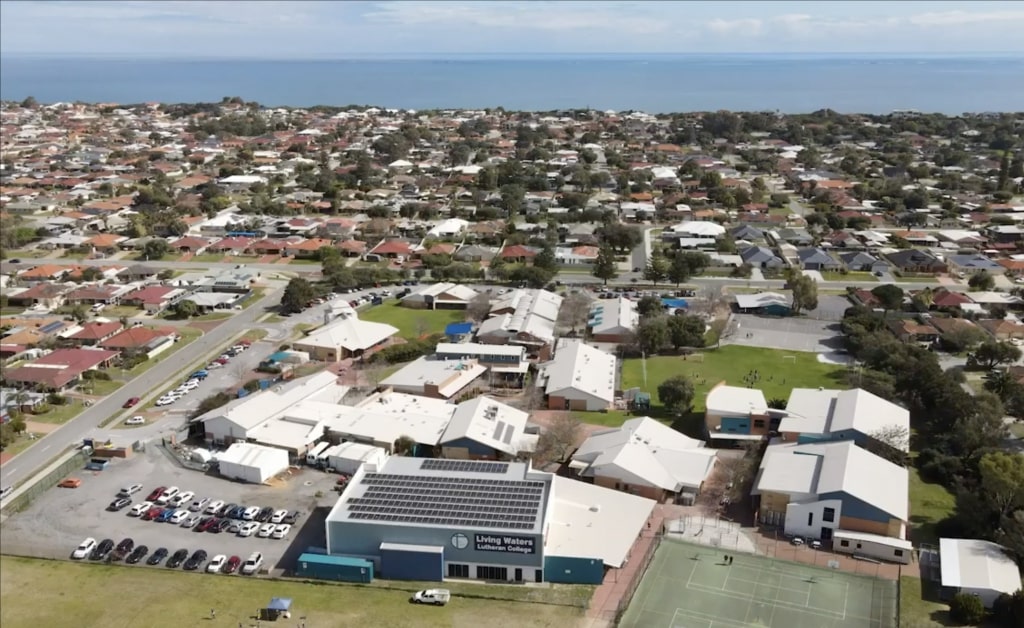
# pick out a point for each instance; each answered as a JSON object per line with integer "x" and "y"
{"x": 652, "y": 83}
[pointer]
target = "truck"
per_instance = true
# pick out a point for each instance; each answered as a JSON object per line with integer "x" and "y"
{"x": 313, "y": 456}
{"x": 437, "y": 597}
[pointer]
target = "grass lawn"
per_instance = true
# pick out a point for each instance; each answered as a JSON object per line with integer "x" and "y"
{"x": 208, "y": 257}
{"x": 254, "y": 335}
{"x": 188, "y": 334}
{"x": 918, "y": 612}
{"x": 411, "y": 323}
{"x": 58, "y": 414}
{"x": 921, "y": 279}
{"x": 121, "y": 311}
{"x": 213, "y": 316}
{"x": 929, "y": 504}
{"x": 29, "y": 253}
{"x": 101, "y": 387}
{"x": 73, "y": 594}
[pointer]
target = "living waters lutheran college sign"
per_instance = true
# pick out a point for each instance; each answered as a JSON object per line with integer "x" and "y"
{"x": 506, "y": 544}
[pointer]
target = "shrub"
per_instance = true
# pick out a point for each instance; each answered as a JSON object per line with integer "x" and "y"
{"x": 96, "y": 375}
{"x": 252, "y": 385}
{"x": 211, "y": 403}
{"x": 967, "y": 609}
{"x": 56, "y": 400}
{"x": 1009, "y": 609}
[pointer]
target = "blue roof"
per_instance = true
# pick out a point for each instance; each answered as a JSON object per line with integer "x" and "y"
{"x": 458, "y": 329}
{"x": 676, "y": 303}
{"x": 328, "y": 559}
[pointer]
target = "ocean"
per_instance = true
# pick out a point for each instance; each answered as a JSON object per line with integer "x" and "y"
{"x": 651, "y": 83}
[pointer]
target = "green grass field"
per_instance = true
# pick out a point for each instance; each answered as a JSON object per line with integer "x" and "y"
{"x": 689, "y": 586}
{"x": 918, "y": 612}
{"x": 412, "y": 323}
{"x": 55, "y": 594}
{"x": 779, "y": 374}
{"x": 929, "y": 504}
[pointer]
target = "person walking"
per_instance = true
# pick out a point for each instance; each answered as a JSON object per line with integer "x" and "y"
{"x": 213, "y": 614}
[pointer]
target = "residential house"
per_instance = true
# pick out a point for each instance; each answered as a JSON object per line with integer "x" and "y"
{"x": 140, "y": 339}
{"x": 761, "y": 257}
{"x": 474, "y": 253}
{"x": 190, "y": 244}
{"x": 909, "y": 330}
{"x": 138, "y": 272}
{"x": 306, "y": 249}
{"x": 915, "y": 261}
{"x": 839, "y": 492}
{"x": 646, "y": 457}
{"x": 945, "y": 299}
{"x": 518, "y": 253}
{"x": 58, "y": 370}
{"x": 816, "y": 414}
{"x": 232, "y": 245}
{"x": 93, "y": 333}
{"x": 154, "y": 299}
{"x": 817, "y": 259}
{"x": 106, "y": 243}
{"x": 967, "y": 265}
{"x": 796, "y": 237}
{"x": 747, "y": 233}
{"x": 737, "y": 414}
{"x": 953, "y": 325}
{"x": 351, "y": 248}
{"x": 100, "y": 294}
{"x": 579, "y": 377}
{"x": 1003, "y": 329}
{"x": 858, "y": 261}
{"x": 48, "y": 295}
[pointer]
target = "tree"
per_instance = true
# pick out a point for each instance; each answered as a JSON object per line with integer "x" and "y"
{"x": 404, "y": 446}
{"x": 185, "y": 309}
{"x": 652, "y": 334}
{"x": 676, "y": 394}
{"x": 696, "y": 262}
{"x": 686, "y": 330}
{"x": 1009, "y": 609}
{"x": 575, "y": 310}
{"x": 967, "y": 609}
{"x": 532, "y": 276}
{"x": 805, "y": 291}
{"x": 890, "y": 296}
{"x": 1002, "y": 480}
{"x": 890, "y": 442}
{"x": 656, "y": 269}
{"x": 649, "y": 306}
{"x": 605, "y": 267}
{"x": 479, "y": 307}
{"x": 981, "y": 281}
{"x": 679, "y": 270}
{"x": 778, "y": 403}
{"x": 297, "y": 295}
{"x": 79, "y": 313}
{"x": 558, "y": 440}
{"x": 545, "y": 259}
{"x": 155, "y": 249}
{"x": 992, "y": 353}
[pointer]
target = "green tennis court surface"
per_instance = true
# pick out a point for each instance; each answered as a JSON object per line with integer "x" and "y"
{"x": 690, "y": 586}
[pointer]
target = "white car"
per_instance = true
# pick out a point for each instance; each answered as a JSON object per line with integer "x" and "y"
{"x": 266, "y": 530}
{"x": 84, "y": 549}
{"x": 191, "y": 522}
{"x": 191, "y": 384}
{"x": 168, "y": 495}
{"x": 250, "y": 513}
{"x": 178, "y": 517}
{"x": 199, "y": 504}
{"x": 216, "y": 564}
{"x": 213, "y": 365}
{"x": 182, "y": 498}
{"x": 140, "y": 509}
{"x": 129, "y": 490}
{"x": 252, "y": 564}
{"x": 248, "y": 529}
{"x": 135, "y": 420}
{"x": 165, "y": 401}
{"x": 214, "y": 506}
{"x": 279, "y": 516}
{"x": 281, "y": 531}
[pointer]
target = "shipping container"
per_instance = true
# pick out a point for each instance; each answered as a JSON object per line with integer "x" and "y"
{"x": 340, "y": 568}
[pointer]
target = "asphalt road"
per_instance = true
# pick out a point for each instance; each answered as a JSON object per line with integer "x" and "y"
{"x": 150, "y": 383}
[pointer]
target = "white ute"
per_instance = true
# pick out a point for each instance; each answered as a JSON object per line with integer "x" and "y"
{"x": 437, "y": 597}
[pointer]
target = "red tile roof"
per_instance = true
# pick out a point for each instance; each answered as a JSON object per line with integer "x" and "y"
{"x": 96, "y": 331}
{"x": 57, "y": 369}
{"x": 135, "y": 337}
{"x": 392, "y": 247}
{"x": 150, "y": 294}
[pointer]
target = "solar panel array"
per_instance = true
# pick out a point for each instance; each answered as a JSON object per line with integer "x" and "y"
{"x": 449, "y": 501}
{"x": 464, "y": 466}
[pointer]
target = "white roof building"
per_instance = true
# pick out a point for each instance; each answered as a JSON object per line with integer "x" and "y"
{"x": 580, "y": 376}
{"x": 824, "y": 414}
{"x": 441, "y": 295}
{"x": 613, "y": 317}
{"x": 344, "y": 336}
{"x": 485, "y": 427}
{"x": 449, "y": 227}
{"x": 694, "y": 229}
{"x": 761, "y": 300}
{"x": 645, "y": 452}
{"x": 979, "y": 568}
{"x": 726, "y": 400}
{"x": 523, "y": 317}
{"x": 348, "y": 457}
{"x": 252, "y": 463}
{"x": 430, "y": 377}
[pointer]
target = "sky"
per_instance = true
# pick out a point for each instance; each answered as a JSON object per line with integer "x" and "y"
{"x": 312, "y": 30}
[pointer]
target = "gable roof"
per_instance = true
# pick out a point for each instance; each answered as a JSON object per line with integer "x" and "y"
{"x": 578, "y": 366}
{"x": 349, "y": 333}
{"x": 820, "y": 412}
{"x": 488, "y": 422}
{"x": 977, "y": 564}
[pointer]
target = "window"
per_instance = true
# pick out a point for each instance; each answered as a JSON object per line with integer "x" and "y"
{"x": 491, "y": 573}
{"x": 858, "y": 545}
{"x": 458, "y": 571}
{"x": 810, "y": 518}
{"x": 758, "y": 422}
{"x": 829, "y": 515}
{"x": 898, "y": 552}
{"x": 844, "y": 543}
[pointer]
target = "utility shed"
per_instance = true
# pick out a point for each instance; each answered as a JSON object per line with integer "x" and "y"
{"x": 977, "y": 567}
{"x": 252, "y": 463}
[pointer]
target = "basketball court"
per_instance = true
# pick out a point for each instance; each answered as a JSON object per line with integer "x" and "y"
{"x": 693, "y": 586}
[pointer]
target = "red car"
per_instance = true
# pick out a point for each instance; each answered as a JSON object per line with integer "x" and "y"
{"x": 131, "y": 402}
{"x": 157, "y": 492}
{"x": 207, "y": 525}
{"x": 153, "y": 513}
{"x": 231, "y": 565}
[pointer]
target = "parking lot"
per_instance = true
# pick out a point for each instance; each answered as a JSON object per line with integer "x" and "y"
{"x": 55, "y": 523}
{"x": 791, "y": 334}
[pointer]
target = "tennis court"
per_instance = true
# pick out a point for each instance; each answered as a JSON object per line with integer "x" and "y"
{"x": 692, "y": 586}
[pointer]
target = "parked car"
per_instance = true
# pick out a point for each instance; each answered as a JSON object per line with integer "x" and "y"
{"x": 119, "y": 504}
{"x": 264, "y": 514}
{"x": 223, "y": 525}
{"x": 181, "y": 498}
{"x": 248, "y": 528}
{"x": 70, "y": 483}
{"x": 135, "y": 420}
{"x": 131, "y": 402}
{"x": 153, "y": 513}
{"x": 232, "y": 565}
{"x": 437, "y": 597}
{"x": 207, "y": 524}
{"x": 102, "y": 549}
{"x": 191, "y": 522}
{"x": 158, "y": 555}
{"x": 249, "y": 514}
{"x": 266, "y": 530}
{"x": 279, "y": 516}
{"x": 140, "y": 509}
{"x": 177, "y": 558}
{"x": 214, "y": 507}
{"x": 84, "y": 548}
{"x": 165, "y": 516}
{"x": 137, "y": 554}
{"x": 252, "y": 564}
{"x": 292, "y": 517}
{"x": 178, "y": 516}
{"x": 199, "y": 504}
{"x": 167, "y": 495}
{"x": 196, "y": 560}
{"x": 156, "y": 493}
{"x": 217, "y": 563}
{"x": 123, "y": 549}
{"x": 281, "y": 530}
{"x": 129, "y": 490}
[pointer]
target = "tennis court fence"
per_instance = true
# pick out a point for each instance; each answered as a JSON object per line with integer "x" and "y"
{"x": 638, "y": 575}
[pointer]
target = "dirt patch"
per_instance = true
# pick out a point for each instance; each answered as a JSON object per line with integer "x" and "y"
{"x": 545, "y": 418}
{"x": 40, "y": 428}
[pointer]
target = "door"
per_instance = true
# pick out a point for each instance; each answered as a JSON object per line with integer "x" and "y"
{"x": 538, "y": 575}
{"x": 519, "y": 574}
{"x": 826, "y": 533}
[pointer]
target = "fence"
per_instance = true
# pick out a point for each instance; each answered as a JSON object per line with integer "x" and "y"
{"x": 638, "y": 576}
{"x": 29, "y": 492}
